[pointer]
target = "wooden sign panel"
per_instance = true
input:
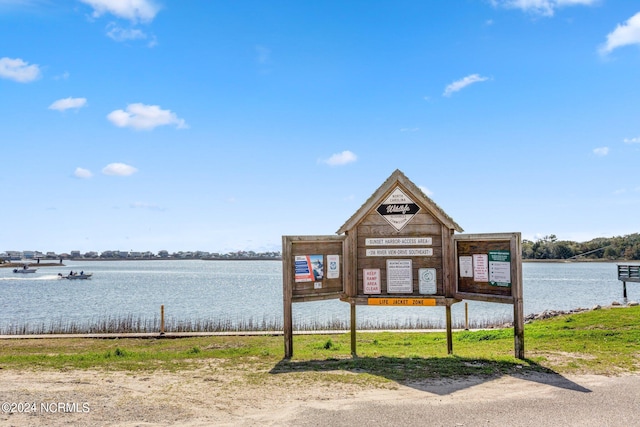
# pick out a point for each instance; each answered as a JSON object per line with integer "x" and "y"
{"x": 313, "y": 267}
{"x": 488, "y": 267}
{"x": 400, "y": 249}
{"x": 409, "y": 262}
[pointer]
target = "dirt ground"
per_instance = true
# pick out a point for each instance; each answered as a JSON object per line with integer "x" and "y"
{"x": 206, "y": 396}
{"x": 199, "y": 397}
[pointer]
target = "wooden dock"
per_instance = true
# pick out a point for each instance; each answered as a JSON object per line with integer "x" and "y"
{"x": 628, "y": 273}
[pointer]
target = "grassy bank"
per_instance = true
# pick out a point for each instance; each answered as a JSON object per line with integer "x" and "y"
{"x": 601, "y": 342}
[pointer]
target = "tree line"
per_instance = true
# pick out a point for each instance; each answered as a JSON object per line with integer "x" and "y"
{"x": 603, "y": 248}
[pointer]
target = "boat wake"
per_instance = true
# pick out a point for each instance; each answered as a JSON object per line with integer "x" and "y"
{"x": 31, "y": 278}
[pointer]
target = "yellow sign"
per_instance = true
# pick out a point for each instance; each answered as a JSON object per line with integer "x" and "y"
{"x": 423, "y": 302}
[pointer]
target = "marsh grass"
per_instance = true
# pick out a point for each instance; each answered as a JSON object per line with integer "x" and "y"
{"x": 138, "y": 324}
{"x": 599, "y": 342}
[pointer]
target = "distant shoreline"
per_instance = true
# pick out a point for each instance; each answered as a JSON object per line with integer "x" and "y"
{"x": 58, "y": 264}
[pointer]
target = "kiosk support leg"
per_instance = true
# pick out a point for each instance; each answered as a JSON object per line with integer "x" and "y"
{"x": 353, "y": 330}
{"x": 449, "y": 334}
{"x": 518, "y": 329}
{"x": 288, "y": 330}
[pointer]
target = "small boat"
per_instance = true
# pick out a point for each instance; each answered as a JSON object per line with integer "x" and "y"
{"x": 24, "y": 270}
{"x": 75, "y": 275}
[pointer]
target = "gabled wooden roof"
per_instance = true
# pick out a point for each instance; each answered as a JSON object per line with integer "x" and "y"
{"x": 399, "y": 178}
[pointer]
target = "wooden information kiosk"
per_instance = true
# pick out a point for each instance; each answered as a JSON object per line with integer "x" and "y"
{"x": 400, "y": 249}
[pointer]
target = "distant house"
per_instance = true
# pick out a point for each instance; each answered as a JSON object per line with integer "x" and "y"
{"x": 109, "y": 254}
{"x": 14, "y": 255}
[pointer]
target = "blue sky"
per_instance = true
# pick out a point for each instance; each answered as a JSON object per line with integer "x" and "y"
{"x": 223, "y": 125}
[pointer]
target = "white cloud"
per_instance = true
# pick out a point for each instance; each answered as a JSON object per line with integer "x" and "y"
{"x": 601, "y": 151}
{"x": 632, "y": 140}
{"x": 132, "y": 10}
{"x": 68, "y": 103}
{"x": 340, "y": 159}
{"x": 145, "y": 117}
{"x": 541, "y": 7}
{"x": 120, "y": 34}
{"x": 462, "y": 83}
{"x": 82, "y": 173}
{"x": 425, "y": 190}
{"x": 119, "y": 169}
{"x": 624, "y": 34}
{"x": 18, "y": 70}
{"x": 63, "y": 76}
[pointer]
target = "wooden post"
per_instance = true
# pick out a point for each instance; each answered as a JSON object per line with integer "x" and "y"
{"x": 287, "y": 294}
{"x": 466, "y": 316}
{"x": 518, "y": 329}
{"x": 449, "y": 334}
{"x": 353, "y": 330}
{"x": 288, "y": 330}
{"x": 162, "y": 319}
{"x": 518, "y": 309}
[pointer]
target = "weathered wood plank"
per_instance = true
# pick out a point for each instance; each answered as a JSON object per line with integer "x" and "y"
{"x": 287, "y": 292}
{"x": 419, "y": 219}
{"x": 362, "y": 253}
{"x": 436, "y": 239}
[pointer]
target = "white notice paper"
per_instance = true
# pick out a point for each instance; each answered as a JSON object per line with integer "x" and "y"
{"x": 427, "y": 281}
{"x": 480, "y": 268}
{"x": 333, "y": 266}
{"x": 371, "y": 280}
{"x": 466, "y": 266}
{"x": 500, "y": 273}
{"x": 399, "y": 276}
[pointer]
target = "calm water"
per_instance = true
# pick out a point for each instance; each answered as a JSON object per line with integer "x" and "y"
{"x": 239, "y": 291}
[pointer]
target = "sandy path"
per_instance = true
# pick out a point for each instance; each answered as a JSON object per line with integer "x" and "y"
{"x": 196, "y": 397}
{"x": 206, "y": 397}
